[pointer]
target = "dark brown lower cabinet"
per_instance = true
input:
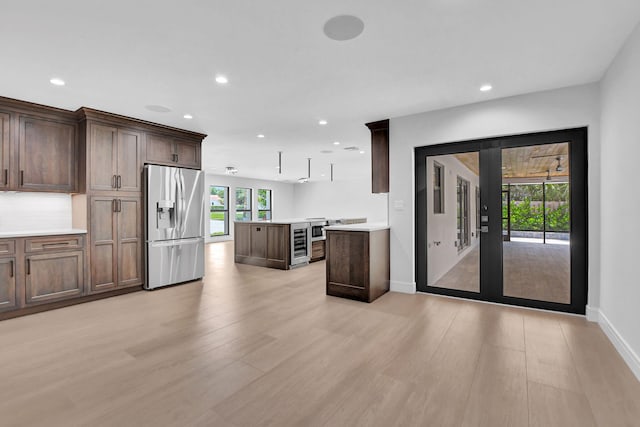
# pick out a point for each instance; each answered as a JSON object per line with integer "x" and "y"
{"x": 53, "y": 276}
{"x": 262, "y": 244}
{"x": 357, "y": 264}
{"x": 116, "y": 243}
{"x": 317, "y": 250}
{"x": 8, "y": 283}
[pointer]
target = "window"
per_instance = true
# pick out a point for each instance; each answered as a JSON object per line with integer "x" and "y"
{"x": 264, "y": 204}
{"x": 219, "y": 211}
{"x": 438, "y": 188}
{"x": 463, "y": 213}
{"x": 243, "y": 204}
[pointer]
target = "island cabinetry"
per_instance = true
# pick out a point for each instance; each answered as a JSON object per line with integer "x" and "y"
{"x": 8, "y": 274}
{"x": 317, "y": 250}
{"x": 171, "y": 151}
{"x": 357, "y": 264}
{"x": 262, "y": 244}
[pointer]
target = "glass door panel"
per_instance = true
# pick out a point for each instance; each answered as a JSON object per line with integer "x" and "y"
{"x": 536, "y": 215}
{"x": 453, "y": 249}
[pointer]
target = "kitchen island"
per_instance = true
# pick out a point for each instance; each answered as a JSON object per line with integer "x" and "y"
{"x": 268, "y": 243}
{"x": 357, "y": 261}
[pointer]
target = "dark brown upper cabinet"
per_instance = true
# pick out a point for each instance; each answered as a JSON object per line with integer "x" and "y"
{"x": 47, "y": 155}
{"x": 170, "y": 151}
{"x": 114, "y": 159}
{"x": 5, "y": 144}
{"x": 379, "y": 156}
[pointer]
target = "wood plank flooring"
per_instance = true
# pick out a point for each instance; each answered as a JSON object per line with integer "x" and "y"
{"x": 531, "y": 270}
{"x": 251, "y": 346}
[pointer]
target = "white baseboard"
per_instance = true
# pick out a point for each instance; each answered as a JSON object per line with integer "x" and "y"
{"x": 403, "y": 287}
{"x": 619, "y": 343}
{"x": 593, "y": 314}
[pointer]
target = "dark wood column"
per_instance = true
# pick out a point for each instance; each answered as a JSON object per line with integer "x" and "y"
{"x": 379, "y": 156}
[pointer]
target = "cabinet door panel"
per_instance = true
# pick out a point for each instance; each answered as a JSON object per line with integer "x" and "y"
{"x": 130, "y": 242}
{"x": 129, "y": 162}
{"x": 188, "y": 154}
{"x": 160, "y": 149}
{"x": 5, "y": 142}
{"x": 103, "y": 157}
{"x": 47, "y": 155}
{"x": 7, "y": 283}
{"x": 259, "y": 241}
{"x": 54, "y": 276}
{"x": 275, "y": 243}
{"x": 103, "y": 244}
{"x": 348, "y": 264}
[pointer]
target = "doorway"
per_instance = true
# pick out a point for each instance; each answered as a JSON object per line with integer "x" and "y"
{"x": 521, "y": 239}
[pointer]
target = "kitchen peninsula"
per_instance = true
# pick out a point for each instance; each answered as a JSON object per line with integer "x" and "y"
{"x": 357, "y": 261}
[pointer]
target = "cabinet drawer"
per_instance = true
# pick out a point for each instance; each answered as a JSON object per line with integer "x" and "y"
{"x": 53, "y": 243}
{"x": 7, "y": 247}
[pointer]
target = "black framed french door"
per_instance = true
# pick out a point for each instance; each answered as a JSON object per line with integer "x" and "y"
{"x": 505, "y": 219}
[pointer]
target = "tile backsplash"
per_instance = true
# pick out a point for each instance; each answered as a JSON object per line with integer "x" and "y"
{"x": 34, "y": 211}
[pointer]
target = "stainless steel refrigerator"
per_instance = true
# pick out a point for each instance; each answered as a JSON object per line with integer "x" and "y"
{"x": 174, "y": 234}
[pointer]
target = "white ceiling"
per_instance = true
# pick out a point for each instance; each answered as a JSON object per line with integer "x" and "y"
{"x": 285, "y": 74}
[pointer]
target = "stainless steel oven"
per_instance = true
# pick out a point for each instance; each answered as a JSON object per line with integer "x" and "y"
{"x": 317, "y": 230}
{"x": 300, "y": 244}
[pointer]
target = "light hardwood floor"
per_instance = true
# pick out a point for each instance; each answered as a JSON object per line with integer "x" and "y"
{"x": 531, "y": 270}
{"x": 259, "y": 347}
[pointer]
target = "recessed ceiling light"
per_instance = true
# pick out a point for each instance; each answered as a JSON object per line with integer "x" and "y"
{"x": 321, "y": 174}
{"x": 188, "y": 116}
{"x": 259, "y": 135}
{"x": 336, "y": 143}
{"x": 326, "y": 151}
{"x": 322, "y": 122}
{"x": 56, "y": 81}
{"x": 486, "y": 88}
{"x": 361, "y": 152}
{"x": 222, "y": 80}
{"x": 343, "y": 27}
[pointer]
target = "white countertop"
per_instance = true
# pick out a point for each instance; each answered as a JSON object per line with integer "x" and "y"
{"x": 367, "y": 226}
{"x": 279, "y": 221}
{"x": 9, "y": 234}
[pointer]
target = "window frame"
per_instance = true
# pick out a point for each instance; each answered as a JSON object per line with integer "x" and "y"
{"x": 225, "y": 211}
{"x": 269, "y": 211}
{"x": 249, "y": 199}
{"x": 438, "y": 190}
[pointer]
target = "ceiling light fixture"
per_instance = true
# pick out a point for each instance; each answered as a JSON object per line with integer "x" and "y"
{"x": 222, "y": 80}
{"x": 188, "y": 116}
{"x": 303, "y": 180}
{"x": 486, "y": 88}
{"x": 361, "y": 152}
{"x": 343, "y": 27}
{"x": 259, "y": 135}
{"x": 322, "y": 122}
{"x": 230, "y": 170}
{"x": 336, "y": 143}
{"x": 57, "y": 81}
{"x": 158, "y": 108}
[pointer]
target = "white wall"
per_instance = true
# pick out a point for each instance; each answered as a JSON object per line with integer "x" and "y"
{"x": 281, "y": 199}
{"x": 443, "y": 228}
{"x": 34, "y": 211}
{"x": 551, "y": 110}
{"x": 620, "y": 121}
{"x": 340, "y": 199}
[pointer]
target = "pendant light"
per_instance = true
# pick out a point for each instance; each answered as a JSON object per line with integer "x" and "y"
{"x": 308, "y": 167}
{"x": 331, "y": 172}
{"x": 280, "y": 162}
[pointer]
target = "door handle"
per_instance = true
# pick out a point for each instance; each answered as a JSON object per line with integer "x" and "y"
{"x": 119, "y": 205}
{"x": 177, "y": 158}
{"x": 28, "y": 266}
{"x": 21, "y": 178}
{"x": 11, "y": 268}
{"x": 6, "y": 176}
{"x": 119, "y": 181}
{"x": 114, "y": 182}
